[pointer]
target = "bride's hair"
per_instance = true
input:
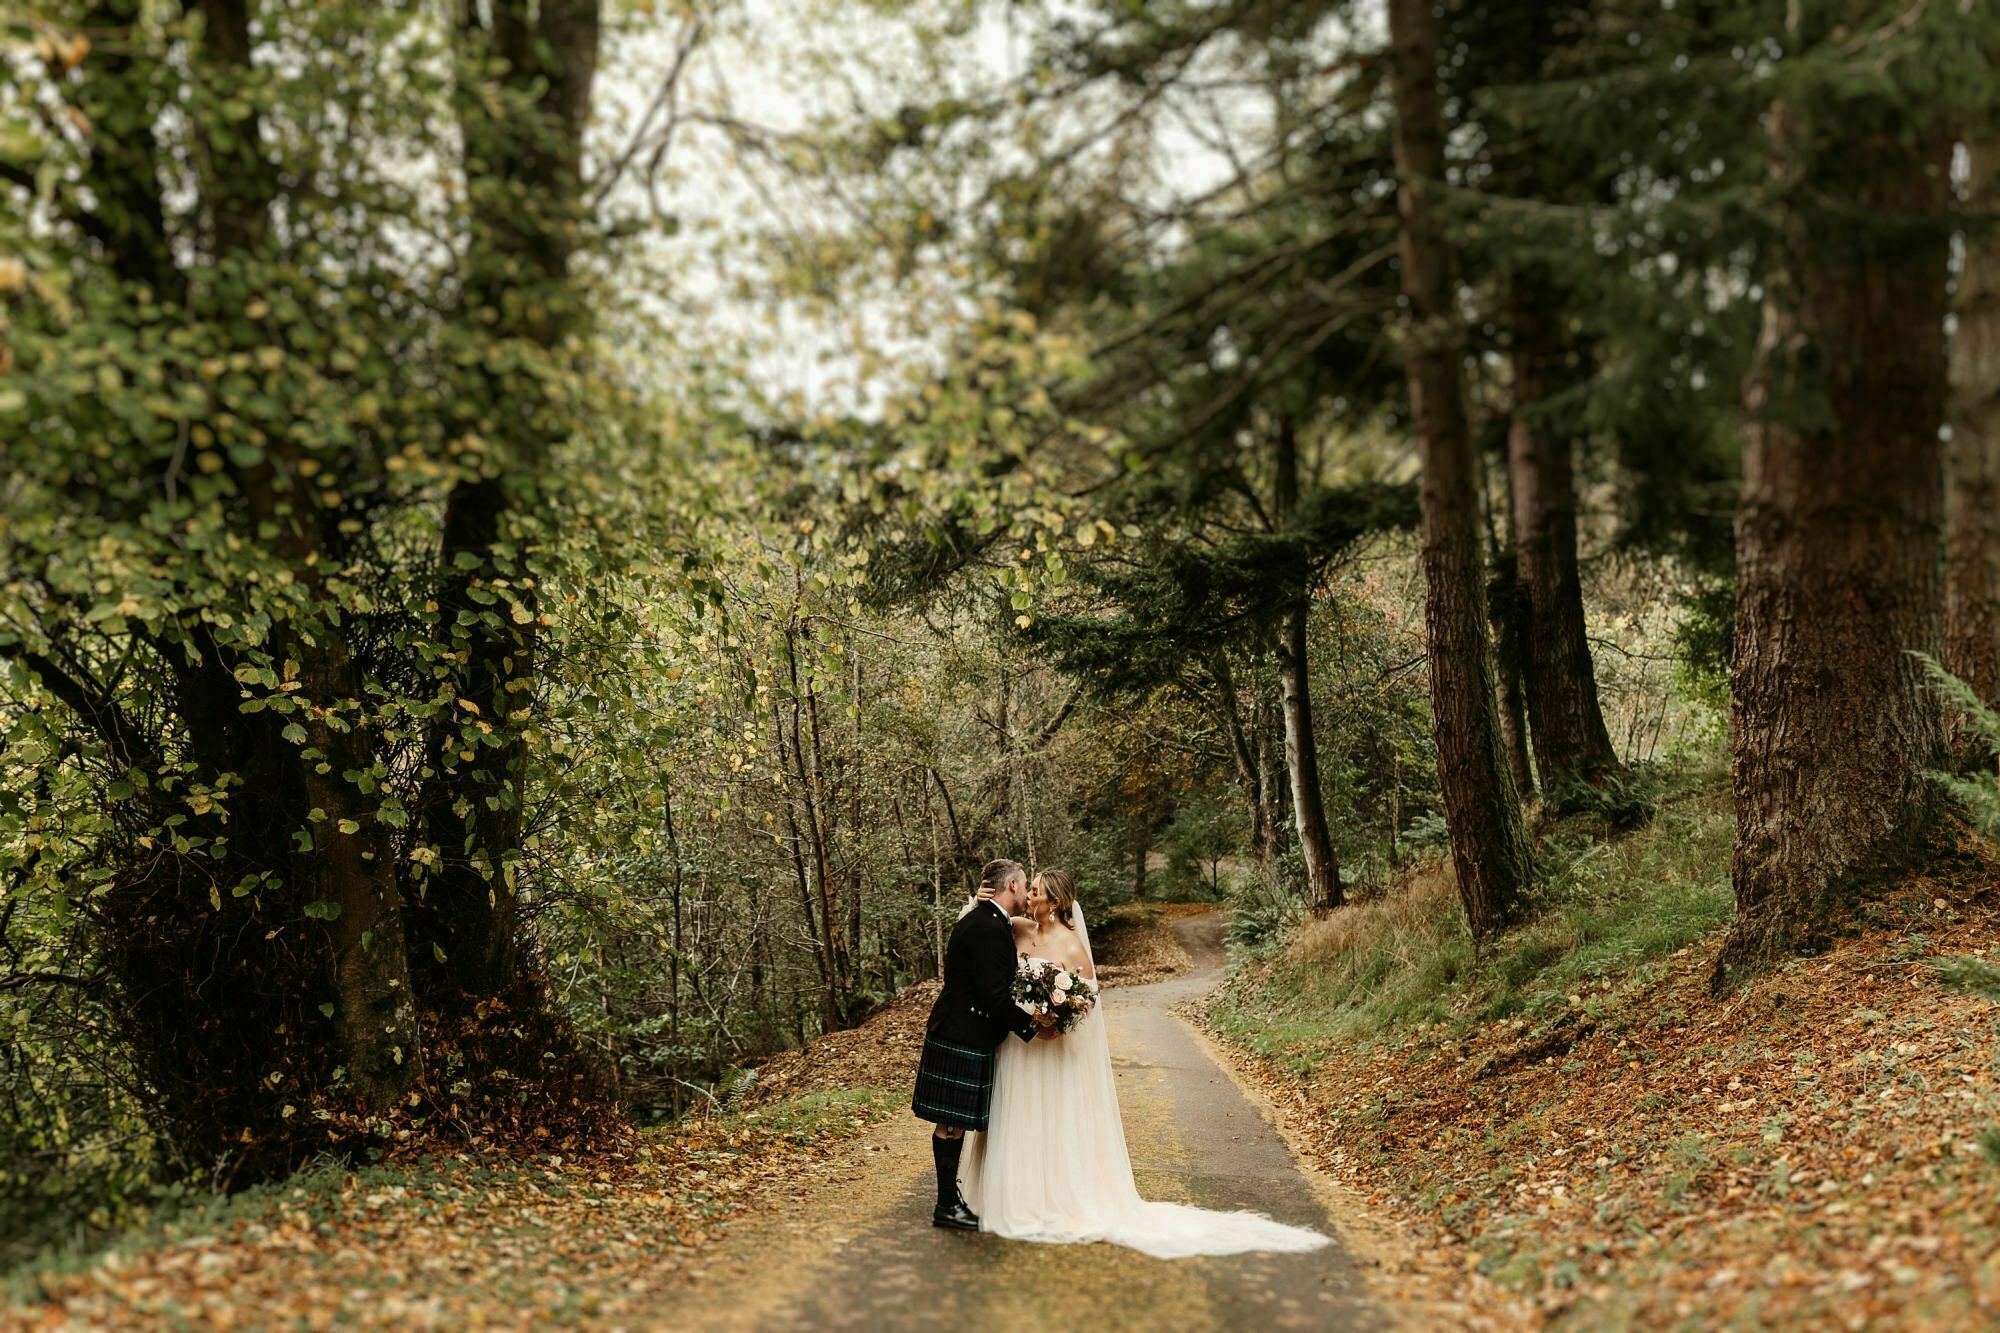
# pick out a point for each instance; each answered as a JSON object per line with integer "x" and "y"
{"x": 1061, "y": 891}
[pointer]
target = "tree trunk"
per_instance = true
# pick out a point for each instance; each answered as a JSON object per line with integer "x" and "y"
{"x": 1270, "y": 789}
{"x": 813, "y": 873}
{"x": 851, "y": 775}
{"x": 350, "y": 869}
{"x": 1972, "y": 495}
{"x": 1229, "y": 709}
{"x": 1572, "y": 745}
{"x": 1489, "y": 843}
{"x": 1837, "y": 534}
{"x": 1507, "y": 609}
{"x": 1396, "y": 810}
{"x": 523, "y": 169}
{"x": 674, "y": 954}
{"x": 821, "y": 817}
{"x": 472, "y": 808}
{"x": 1510, "y": 695}
{"x": 1322, "y": 863}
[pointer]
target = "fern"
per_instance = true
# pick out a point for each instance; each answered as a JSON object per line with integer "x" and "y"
{"x": 1978, "y": 794}
{"x": 735, "y": 1088}
{"x": 1975, "y": 976}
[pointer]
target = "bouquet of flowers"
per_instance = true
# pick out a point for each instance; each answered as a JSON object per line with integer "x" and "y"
{"x": 1054, "y": 993}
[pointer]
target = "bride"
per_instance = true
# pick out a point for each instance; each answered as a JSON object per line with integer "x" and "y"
{"x": 1052, "y": 1165}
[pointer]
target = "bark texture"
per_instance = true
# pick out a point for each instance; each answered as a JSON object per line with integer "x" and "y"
{"x": 1572, "y": 744}
{"x": 1972, "y": 495}
{"x": 1838, "y": 531}
{"x": 1489, "y": 843}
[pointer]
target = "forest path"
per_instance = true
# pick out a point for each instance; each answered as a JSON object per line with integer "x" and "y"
{"x": 862, "y": 1253}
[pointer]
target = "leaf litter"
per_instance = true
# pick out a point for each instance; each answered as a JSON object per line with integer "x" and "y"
{"x": 1820, "y": 1149}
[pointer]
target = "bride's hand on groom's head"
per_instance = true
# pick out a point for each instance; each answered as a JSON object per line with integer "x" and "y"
{"x": 985, "y": 894}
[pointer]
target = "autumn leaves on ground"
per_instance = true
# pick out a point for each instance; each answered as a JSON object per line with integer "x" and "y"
{"x": 1567, "y": 1130}
{"x": 597, "y": 1237}
{"x": 1602, "y": 1142}
{"x": 532, "y": 580}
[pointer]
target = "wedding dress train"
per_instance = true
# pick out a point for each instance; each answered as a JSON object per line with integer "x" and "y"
{"x": 1053, "y": 1166}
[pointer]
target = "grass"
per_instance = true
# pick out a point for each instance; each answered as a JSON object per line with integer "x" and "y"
{"x": 811, "y": 1115}
{"x": 1602, "y": 911}
{"x": 313, "y": 1186}
{"x": 1607, "y": 1138}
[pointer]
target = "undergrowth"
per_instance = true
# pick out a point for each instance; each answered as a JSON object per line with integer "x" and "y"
{"x": 1603, "y": 910}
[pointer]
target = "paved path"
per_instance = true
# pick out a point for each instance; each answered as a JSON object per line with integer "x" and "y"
{"x": 863, "y": 1255}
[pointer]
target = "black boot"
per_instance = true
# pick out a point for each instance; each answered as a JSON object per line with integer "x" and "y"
{"x": 951, "y": 1210}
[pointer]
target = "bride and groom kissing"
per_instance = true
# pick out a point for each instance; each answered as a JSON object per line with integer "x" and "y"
{"x": 1028, "y": 1140}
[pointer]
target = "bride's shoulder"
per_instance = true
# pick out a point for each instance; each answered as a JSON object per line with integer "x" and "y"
{"x": 1073, "y": 953}
{"x": 1022, "y": 926}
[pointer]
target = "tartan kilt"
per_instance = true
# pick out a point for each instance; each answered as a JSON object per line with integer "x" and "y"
{"x": 954, "y": 1084}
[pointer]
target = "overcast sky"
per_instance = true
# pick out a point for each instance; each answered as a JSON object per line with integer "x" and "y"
{"x": 788, "y": 66}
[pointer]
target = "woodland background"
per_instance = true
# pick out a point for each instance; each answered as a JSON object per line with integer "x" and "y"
{"x": 546, "y": 542}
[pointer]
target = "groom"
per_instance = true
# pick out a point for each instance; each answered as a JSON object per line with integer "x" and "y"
{"x": 974, "y": 1013}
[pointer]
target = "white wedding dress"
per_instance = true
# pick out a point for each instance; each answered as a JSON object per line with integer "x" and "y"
{"x": 1052, "y": 1165}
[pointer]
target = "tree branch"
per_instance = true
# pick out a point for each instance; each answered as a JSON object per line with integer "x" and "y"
{"x": 89, "y": 703}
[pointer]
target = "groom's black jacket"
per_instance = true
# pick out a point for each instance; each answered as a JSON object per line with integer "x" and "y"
{"x": 976, "y": 1006}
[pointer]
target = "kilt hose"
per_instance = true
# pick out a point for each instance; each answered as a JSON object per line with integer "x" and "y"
{"x": 954, "y": 1084}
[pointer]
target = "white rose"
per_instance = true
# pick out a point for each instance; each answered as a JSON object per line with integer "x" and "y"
{"x": 1062, "y": 981}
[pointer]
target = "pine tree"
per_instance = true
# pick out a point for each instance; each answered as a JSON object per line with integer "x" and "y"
{"x": 1841, "y": 517}
{"x": 1532, "y": 298}
{"x": 1972, "y": 496}
{"x": 1490, "y": 848}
